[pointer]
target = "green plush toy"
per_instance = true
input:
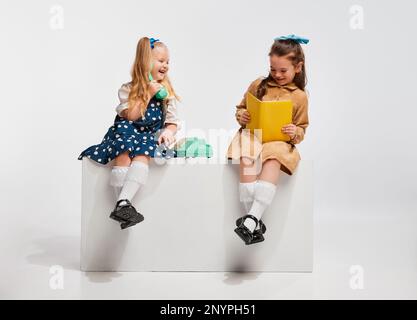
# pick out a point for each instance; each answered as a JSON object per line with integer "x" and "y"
{"x": 194, "y": 147}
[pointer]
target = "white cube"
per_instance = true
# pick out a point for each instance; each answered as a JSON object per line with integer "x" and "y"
{"x": 190, "y": 211}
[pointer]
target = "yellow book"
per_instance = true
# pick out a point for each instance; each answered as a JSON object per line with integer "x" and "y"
{"x": 269, "y": 116}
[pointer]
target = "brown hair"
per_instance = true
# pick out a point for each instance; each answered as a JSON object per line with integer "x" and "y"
{"x": 295, "y": 54}
{"x": 140, "y": 73}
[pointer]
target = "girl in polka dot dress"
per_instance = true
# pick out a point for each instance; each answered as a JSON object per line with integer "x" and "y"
{"x": 146, "y": 121}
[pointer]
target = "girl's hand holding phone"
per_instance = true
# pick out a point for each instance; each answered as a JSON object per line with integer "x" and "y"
{"x": 154, "y": 87}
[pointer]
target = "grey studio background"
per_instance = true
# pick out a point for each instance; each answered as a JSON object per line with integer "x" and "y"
{"x": 62, "y": 63}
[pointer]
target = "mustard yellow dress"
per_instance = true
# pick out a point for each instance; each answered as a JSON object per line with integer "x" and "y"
{"x": 245, "y": 144}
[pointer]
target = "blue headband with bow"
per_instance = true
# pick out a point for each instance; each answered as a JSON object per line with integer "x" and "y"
{"x": 152, "y": 40}
{"x": 293, "y": 37}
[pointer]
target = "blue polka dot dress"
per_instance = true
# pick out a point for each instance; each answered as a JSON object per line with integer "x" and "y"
{"x": 139, "y": 137}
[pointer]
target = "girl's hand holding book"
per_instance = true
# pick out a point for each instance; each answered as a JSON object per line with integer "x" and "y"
{"x": 290, "y": 130}
{"x": 243, "y": 117}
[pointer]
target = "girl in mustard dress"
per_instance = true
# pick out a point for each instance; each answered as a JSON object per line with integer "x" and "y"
{"x": 261, "y": 163}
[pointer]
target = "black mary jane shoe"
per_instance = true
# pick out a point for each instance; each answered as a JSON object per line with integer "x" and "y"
{"x": 257, "y": 234}
{"x": 246, "y": 235}
{"x": 126, "y": 214}
{"x": 127, "y": 224}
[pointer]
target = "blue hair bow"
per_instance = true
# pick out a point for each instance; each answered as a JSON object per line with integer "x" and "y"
{"x": 297, "y": 39}
{"x": 152, "y": 40}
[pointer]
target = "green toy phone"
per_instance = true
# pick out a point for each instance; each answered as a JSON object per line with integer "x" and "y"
{"x": 162, "y": 93}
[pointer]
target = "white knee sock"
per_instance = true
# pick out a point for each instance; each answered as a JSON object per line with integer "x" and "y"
{"x": 264, "y": 194}
{"x": 117, "y": 178}
{"x": 135, "y": 177}
{"x": 246, "y": 194}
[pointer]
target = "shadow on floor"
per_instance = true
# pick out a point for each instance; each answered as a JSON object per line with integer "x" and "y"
{"x": 62, "y": 250}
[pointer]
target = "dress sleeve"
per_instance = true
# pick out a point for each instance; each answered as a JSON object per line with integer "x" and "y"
{"x": 172, "y": 113}
{"x": 300, "y": 119}
{"x": 123, "y": 98}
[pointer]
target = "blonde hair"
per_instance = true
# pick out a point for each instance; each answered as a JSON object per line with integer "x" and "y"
{"x": 140, "y": 76}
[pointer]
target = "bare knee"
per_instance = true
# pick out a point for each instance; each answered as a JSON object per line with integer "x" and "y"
{"x": 272, "y": 162}
{"x": 142, "y": 158}
{"x": 122, "y": 160}
{"x": 249, "y": 169}
{"x": 246, "y": 162}
{"x": 270, "y": 171}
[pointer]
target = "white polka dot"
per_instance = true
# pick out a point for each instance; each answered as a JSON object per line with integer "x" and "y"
{"x": 144, "y": 138}
{"x": 142, "y": 128}
{"x": 110, "y": 149}
{"x": 150, "y": 147}
{"x": 95, "y": 152}
{"x": 117, "y": 153}
{"x": 125, "y": 126}
{"x": 146, "y": 152}
{"x": 118, "y": 125}
{"x": 99, "y": 160}
{"x": 157, "y": 103}
{"x": 122, "y": 146}
{"x": 152, "y": 105}
{"x": 149, "y": 114}
{"x": 153, "y": 118}
{"x": 136, "y": 142}
{"x": 138, "y": 148}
